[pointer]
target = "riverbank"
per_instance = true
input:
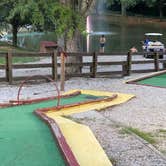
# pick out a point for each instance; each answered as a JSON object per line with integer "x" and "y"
{"x": 132, "y": 20}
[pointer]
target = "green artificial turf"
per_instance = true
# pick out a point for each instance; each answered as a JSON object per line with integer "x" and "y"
{"x": 25, "y": 140}
{"x": 159, "y": 81}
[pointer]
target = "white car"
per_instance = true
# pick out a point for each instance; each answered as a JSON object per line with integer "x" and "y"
{"x": 153, "y": 45}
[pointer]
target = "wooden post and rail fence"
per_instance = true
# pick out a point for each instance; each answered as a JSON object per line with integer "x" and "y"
{"x": 89, "y": 68}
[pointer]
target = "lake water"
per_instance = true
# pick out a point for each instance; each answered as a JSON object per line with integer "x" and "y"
{"x": 119, "y": 38}
{"x": 31, "y": 40}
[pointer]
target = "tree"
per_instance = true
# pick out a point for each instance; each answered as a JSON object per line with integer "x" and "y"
{"x": 19, "y": 13}
{"x": 65, "y": 17}
{"x": 159, "y": 3}
{"x": 70, "y": 27}
{"x": 73, "y": 15}
{"x": 125, "y": 4}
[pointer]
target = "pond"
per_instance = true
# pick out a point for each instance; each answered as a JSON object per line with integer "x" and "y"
{"x": 31, "y": 40}
{"x": 119, "y": 38}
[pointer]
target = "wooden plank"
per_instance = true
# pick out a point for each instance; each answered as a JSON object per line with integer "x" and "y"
{"x": 112, "y": 54}
{"x": 18, "y": 66}
{"x": 143, "y": 71}
{"x": 110, "y": 73}
{"x": 124, "y": 69}
{"x": 54, "y": 65}
{"x": 112, "y": 63}
{"x": 62, "y": 76}
{"x": 78, "y": 74}
{"x": 162, "y": 60}
{"x": 3, "y": 54}
{"x": 129, "y": 62}
{"x": 79, "y": 64}
{"x": 37, "y": 54}
{"x": 156, "y": 62}
{"x": 143, "y": 62}
{"x": 94, "y": 65}
{"x": 79, "y": 54}
{"x": 2, "y": 79}
{"x": 29, "y": 66}
{"x": 20, "y": 78}
{"x": 9, "y": 67}
{"x": 2, "y": 66}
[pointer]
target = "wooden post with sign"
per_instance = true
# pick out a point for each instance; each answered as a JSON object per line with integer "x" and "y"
{"x": 54, "y": 65}
{"x": 94, "y": 65}
{"x": 156, "y": 61}
{"x": 62, "y": 76}
{"x": 9, "y": 76}
{"x": 129, "y": 62}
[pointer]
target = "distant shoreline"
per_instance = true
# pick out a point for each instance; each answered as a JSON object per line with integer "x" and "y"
{"x": 131, "y": 20}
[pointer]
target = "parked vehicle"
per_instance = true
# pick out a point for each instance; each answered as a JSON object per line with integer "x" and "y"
{"x": 153, "y": 45}
{"x": 4, "y": 38}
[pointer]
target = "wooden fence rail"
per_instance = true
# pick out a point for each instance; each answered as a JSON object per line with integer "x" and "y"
{"x": 92, "y": 66}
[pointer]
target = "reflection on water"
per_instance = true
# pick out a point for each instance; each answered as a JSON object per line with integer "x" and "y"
{"x": 120, "y": 38}
{"x": 31, "y": 40}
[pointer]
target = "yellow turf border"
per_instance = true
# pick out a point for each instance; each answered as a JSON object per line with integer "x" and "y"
{"x": 93, "y": 106}
{"x": 80, "y": 138}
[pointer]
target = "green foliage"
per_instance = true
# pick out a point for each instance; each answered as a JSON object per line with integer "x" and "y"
{"x": 129, "y": 3}
{"x": 42, "y": 14}
{"x": 66, "y": 20}
{"x": 150, "y": 3}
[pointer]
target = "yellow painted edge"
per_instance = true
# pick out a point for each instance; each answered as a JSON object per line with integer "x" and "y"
{"x": 79, "y": 137}
{"x": 96, "y": 105}
{"x": 82, "y": 142}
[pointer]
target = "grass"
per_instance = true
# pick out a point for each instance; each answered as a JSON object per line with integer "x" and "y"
{"x": 20, "y": 60}
{"x": 144, "y": 135}
{"x": 5, "y": 47}
{"x": 162, "y": 131}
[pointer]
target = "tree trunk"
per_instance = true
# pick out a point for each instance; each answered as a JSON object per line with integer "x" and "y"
{"x": 161, "y": 9}
{"x": 73, "y": 45}
{"x": 123, "y": 8}
{"x": 14, "y": 32}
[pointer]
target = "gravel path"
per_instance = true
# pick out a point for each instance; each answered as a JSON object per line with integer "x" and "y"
{"x": 145, "y": 112}
{"x": 123, "y": 149}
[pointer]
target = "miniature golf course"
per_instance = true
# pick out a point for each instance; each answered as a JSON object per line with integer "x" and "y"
{"x": 159, "y": 81}
{"x": 156, "y": 80}
{"x": 25, "y": 140}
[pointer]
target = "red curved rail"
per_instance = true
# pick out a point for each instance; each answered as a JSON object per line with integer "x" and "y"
{"x": 46, "y": 77}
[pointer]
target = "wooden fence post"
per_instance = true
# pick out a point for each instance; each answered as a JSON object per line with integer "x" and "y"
{"x": 54, "y": 65}
{"x": 9, "y": 67}
{"x": 94, "y": 65}
{"x": 62, "y": 76}
{"x": 129, "y": 62}
{"x": 156, "y": 61}
{"x": 124, "y": 69}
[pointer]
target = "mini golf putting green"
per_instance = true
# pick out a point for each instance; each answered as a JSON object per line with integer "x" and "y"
{"x": 156, "y": 80}
{"x": 25, "y": 140}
